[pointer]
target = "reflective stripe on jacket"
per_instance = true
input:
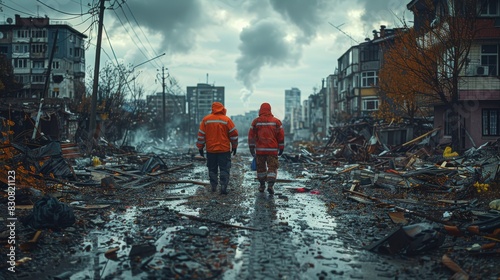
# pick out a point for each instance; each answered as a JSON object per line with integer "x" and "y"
{"x": 217, "y": 131}
{"x": 266, "y": 135}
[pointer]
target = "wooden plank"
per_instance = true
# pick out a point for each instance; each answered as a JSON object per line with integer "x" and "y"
{"x": 91, "y": 207}
{"x": 24, "y": 207}
{"x": 398, "y": 217}
{"x": 449, "y": 201}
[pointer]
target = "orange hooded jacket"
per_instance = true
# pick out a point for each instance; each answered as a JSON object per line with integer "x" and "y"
{"x": 266, "y": 135}
{"x": 217, "y": 131}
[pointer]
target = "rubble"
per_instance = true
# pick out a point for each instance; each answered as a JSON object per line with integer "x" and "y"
{"x": 414, "y": 197}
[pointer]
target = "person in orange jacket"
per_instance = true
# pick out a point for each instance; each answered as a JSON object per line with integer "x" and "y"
{"x": 266, "y": 141}
{"x": 220, "y": 137}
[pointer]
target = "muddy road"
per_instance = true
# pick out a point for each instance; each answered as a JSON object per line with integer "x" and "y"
{"x": 307, "y": 230}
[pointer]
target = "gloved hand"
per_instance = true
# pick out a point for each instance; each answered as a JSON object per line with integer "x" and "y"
{"x": 234, "y": 151}
{"x": 252, "y": 151}
{"x": 280, "y": 152}
{"x": 201, "y": 152}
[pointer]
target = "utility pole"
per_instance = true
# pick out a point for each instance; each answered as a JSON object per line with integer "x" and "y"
{"x": 46, "y": 86}
{"x": 93, "y": 105}
{"x": 164, "y": 130}
{"x": 164, "y": 123}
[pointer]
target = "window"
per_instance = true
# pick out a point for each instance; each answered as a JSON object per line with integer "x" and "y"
{"x": 369, "y": 79}
{"x": 38, "y": 33}
{"x": 23, "y": 33}
{"x": 38, "y": 79}
{"x": 38, "y": 64}
{"x": 489, "y": 57}
{"x": 489, "y": 7}
{"x": 22, "y": 79}
{"x": 491, "y": 122}
{"x": 21, "y": 48}
{"x": 20, "y": 63}
{"x": 370, "y": 104}
{"x": 55, "y": 65}
{"x": 38, "y": 48}
{"x": 370, "y": 53}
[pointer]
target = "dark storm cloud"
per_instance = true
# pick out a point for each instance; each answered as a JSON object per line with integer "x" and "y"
{"x": 178, "y": 21}
{"x": 263, "y": 43}
{"x": 306, "y": 15}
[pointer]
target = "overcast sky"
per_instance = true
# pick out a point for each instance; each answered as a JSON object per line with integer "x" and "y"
{"x": 256, "y": 49}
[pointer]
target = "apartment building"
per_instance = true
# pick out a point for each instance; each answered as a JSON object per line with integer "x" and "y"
{"x": 479, "y": 83}
{"x": 293, "y": 119}
{"x": 357, "y": 78}
{"x": 199, "y": 103}
{"x": 48, "y": 57}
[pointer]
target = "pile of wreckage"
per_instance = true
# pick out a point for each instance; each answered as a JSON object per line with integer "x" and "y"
{"x": 454, "y": 194}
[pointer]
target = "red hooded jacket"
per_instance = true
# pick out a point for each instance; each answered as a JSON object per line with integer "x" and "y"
{"x": 266, "y": 135}
{"x": 217, "y": 131}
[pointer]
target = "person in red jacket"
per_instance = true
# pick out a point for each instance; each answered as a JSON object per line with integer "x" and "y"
{"x": 266, "y": 141}
{"x": 220, "y": 137}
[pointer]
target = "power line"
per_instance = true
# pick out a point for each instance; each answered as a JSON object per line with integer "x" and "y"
{"x": 19, "y": 11}
{"x": 136, "y": 35}
{"x": 338, "y": 28}
{"x": 57, "y": 10}
{"x": 131, "y": 37}
{"x": 142, "y": 31}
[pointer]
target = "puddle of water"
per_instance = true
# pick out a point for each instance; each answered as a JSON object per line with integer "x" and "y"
{"x": 238, "y": 260}
{"x": 95, "y": 265}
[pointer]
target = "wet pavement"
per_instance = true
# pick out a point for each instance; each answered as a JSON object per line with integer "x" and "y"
{"x": 184, "y": 231}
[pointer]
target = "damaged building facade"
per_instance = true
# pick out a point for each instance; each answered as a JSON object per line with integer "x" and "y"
{"x": 353, "y": 92}
{"x": 479, "y": 86}
{"x": 48, "y": 59}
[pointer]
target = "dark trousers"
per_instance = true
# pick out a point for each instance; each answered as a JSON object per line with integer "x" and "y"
{"x": 219, "y": 162}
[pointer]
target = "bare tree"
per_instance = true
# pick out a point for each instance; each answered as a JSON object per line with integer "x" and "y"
{"x": 433, "y": 55}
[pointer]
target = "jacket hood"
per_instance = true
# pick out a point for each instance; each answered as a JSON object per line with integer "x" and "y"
{"x": 265, "y": 109}
{"x": 218, "y": 108}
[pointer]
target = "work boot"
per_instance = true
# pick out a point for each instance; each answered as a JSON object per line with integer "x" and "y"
{"x": 270, "y": 187}
{"x": 223, "y": 189}
{"x": 262, "y": 186}
{"x": 214, "y": 188}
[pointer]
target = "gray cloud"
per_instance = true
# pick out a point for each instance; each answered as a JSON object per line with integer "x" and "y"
{"x": 306, "y": 15}
{"x": 383, "y": 10}
{"x": 263, "y": 44}
{"x": 178, "y": 21}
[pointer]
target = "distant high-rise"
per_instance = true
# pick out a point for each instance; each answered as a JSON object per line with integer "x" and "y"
{"x": 292, "y": 110}
{"x": 199, "y": 104}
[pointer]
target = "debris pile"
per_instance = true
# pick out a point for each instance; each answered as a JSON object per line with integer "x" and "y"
{"x": 430, "y": 194}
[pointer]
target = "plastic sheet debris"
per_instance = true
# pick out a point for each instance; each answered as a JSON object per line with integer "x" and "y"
{"x": 48, "y": 212}
{"x": 410, "y": 240}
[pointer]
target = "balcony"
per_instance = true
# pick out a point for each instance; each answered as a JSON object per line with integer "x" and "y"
{"x": 39, "y": 40}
